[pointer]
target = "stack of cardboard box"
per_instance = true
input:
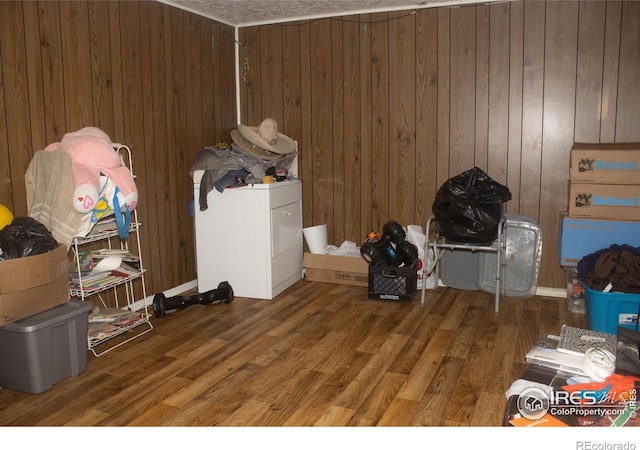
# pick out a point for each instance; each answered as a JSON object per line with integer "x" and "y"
{"x": 603, "y": 209}
{"x": 605, "y": 181}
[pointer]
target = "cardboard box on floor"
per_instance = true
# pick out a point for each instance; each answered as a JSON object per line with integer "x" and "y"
{"x": 617, "y": 163}
{"x": 579, "y": 237}
{"x": 33, "y": 284}
{"x": 604, "y": 201}
{"x": 336, "y": 269}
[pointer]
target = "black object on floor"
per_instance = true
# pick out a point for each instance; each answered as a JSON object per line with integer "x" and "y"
{"x": 162, "y": 304}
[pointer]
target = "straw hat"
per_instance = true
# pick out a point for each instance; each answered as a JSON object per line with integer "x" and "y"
{"x": 266, "y": 136}
{"x": 252, "y": 150}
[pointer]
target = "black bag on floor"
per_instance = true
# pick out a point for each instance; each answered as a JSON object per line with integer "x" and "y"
{"x": 468, "y": 207}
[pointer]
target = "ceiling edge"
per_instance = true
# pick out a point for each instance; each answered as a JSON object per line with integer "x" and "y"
{"x": 417, "y": 6}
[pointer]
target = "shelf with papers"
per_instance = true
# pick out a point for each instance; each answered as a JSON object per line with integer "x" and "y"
{"x": 83, "y": 287}
{"x": 121, "y": 282}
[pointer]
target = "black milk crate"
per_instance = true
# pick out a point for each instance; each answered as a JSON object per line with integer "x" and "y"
{"x": 397, "y": 284}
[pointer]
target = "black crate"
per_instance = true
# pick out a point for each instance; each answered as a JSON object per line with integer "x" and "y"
{"x": 397, "y": 284}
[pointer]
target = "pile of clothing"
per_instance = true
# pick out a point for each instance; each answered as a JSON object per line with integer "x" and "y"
{"x": 255, "y": 152}
{"x": 618, "y": 265}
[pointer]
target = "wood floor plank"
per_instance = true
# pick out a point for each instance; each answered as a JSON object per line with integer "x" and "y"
{"x": 291, "y": 395}
{"x": 216, "y": 373}
{"x": 457, "y": 310}
{"x": 159, "y": 412}
{"x": 216, "y": 400}
{"x": 317, "y": 402}
{"x": 318, "y": 354}
{"x": 335, "y": 416}
{"x": 378, "y": 401}
{"x": 87, "y": 418}
{"x": 501, "y": 360}
{"x": 486, "y": 413}
{"x": 247, "y": 414}
{"x": 357, "y": 391}
{"x": 462, "y": 403}
{"x": 430, "y": 411}
{"x": 399, "y": 413}
{"x": 425, "y": 368}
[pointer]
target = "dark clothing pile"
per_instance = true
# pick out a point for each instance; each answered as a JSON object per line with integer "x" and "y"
{"x": 618, "y": 265}
{"x": 224, "y": 168}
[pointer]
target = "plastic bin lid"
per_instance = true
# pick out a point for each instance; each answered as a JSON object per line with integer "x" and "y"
{"x": 523, "y": 251}
{"x": 55, "y": 315}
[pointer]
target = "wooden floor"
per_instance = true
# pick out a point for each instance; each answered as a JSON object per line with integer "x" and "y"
{"x": 318, "y": 354}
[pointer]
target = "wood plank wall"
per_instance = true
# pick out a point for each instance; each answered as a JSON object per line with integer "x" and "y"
{"x": 385, "y": 106}
{"x": 153, "y": 77}
{"x": 388, "y": 106}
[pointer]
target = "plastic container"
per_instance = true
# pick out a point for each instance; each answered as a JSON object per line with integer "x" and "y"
{"x": 606, "y": 311}
{"x": 40, "y": 350}
{"x": 459, "y": 269}
{"x": 316, "y": 238}
{"x": 398, "y": 284}
{"x": 521, "y": 259}
{"x": 575, "y": 292}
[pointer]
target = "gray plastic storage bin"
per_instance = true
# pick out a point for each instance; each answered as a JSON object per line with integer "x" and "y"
{"x": 521, "y": 259}
{"x": 459, "y": 269}
{"x": 45, "y": 348}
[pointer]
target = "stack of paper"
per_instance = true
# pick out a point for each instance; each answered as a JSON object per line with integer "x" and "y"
{"x": 546, "y": 354}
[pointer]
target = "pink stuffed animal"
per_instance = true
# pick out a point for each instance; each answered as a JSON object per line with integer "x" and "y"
{"x": 92, "y": 153}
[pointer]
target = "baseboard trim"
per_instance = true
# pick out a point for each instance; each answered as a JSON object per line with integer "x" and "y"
{"x": 541, "y": 291}
{"x": 551, "y": 292}
{"x": 193, "y": 284}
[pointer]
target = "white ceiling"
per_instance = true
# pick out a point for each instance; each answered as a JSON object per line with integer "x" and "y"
{"x": 242, "y": 13}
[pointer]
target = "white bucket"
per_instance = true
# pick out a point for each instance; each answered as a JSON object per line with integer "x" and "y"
{"x": 316, "y": 238}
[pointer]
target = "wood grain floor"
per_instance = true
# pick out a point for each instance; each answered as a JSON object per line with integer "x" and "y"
{"x": 317, "y": 355}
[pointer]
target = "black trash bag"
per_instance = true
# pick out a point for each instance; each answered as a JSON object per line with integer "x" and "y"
{"x": 468, "y": 207}
{"x": 25, "y": 236}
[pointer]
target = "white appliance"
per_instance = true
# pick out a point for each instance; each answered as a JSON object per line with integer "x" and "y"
{"x": 251, "y": 237}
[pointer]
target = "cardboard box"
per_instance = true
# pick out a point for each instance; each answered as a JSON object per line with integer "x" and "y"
{"x": 336, "y": 269}
{"x": 604, "y": 201}
{"x": 579, "y": 237}
{"x": 605, "y": 163}
{"x": 33, "y": 284}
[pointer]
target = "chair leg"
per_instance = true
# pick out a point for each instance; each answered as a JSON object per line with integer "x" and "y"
{"x": 499, "y": 254}
{"x": 425, "y": 268}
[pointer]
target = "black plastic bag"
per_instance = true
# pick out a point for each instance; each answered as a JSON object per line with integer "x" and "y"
{"x": 25, "y": 236}
{"x": 468, "y": 207}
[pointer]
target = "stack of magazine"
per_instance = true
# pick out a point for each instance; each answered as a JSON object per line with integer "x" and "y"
{"x": 106, "y": 322}
{"x": 566, "y": 352}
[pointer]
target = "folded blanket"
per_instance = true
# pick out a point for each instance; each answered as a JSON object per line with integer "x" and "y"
{"x": 49, "y": 185}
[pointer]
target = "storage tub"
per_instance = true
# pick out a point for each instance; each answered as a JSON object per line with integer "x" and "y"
{"x": 40, "y": 350}
{"x": 459, "y": 268}
{"x": 606, "y": 311}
